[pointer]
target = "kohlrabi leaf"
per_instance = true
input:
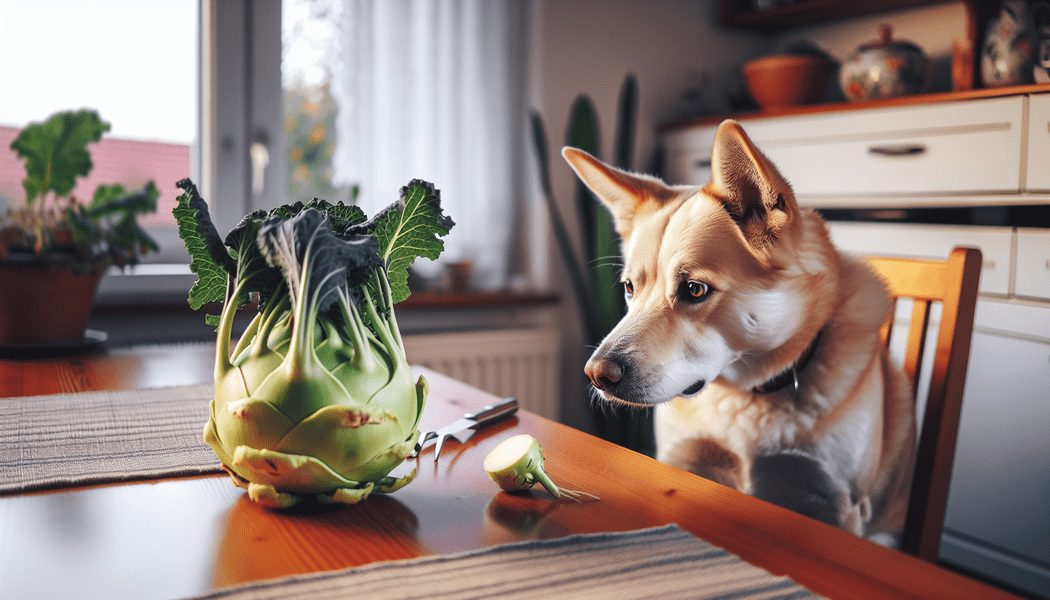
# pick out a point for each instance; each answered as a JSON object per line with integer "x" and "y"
{"x": 254, "y": 273}
{"x": 209, "y": 259}
{"x": 407, "y": 229}
{"x": 341, "y": 217}
{"x": 304, "y": 247}
{"x": 56, "y": 152}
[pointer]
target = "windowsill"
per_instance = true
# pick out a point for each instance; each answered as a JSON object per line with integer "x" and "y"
{"x": 476, "y": 300}
{"x": 415, "y": 302}
{"x": 166, "y": 317}
{"x": 159, "y": 285}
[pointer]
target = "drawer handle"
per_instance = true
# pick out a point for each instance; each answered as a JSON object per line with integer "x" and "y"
{"x": 704, "y": 163}
{"x": 899, "y": 150}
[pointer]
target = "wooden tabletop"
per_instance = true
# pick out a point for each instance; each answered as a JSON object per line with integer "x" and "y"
{"x": 180, "y": 537}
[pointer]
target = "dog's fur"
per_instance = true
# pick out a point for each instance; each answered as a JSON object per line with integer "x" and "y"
{"x": 774, "y": 294}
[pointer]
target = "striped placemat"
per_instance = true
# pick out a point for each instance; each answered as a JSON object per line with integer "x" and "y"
{"x": 66, "y": 440}
{"x": 663, "y": 562}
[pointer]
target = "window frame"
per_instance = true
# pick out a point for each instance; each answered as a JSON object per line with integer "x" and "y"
{"x": 240, "y": 102}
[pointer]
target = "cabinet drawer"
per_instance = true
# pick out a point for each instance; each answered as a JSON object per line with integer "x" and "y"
{"x": 873, "y": 155}
{"x": 1033, "y": 263}
{"x": 932, "y": 242}
{"x": 960, "y": 147}
{"x": 1038, "y": 171}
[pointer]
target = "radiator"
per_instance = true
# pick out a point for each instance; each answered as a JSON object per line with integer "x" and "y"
{"x": 523, "y": 363}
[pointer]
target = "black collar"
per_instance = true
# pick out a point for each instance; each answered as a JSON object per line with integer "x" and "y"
{"x": 789, "y": 376}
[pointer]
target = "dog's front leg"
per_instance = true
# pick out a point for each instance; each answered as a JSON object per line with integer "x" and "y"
{"x": 709, "y": 459}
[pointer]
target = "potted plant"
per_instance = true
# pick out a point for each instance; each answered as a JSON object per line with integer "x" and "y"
{"x": 54, "y": 250}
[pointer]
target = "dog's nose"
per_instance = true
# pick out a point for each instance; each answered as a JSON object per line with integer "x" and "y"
{"x": 605, "y": 373}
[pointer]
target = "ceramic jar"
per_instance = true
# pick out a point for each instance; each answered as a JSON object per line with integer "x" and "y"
{"x": 884, "y": 68}
{"x": 1008, "y": 54}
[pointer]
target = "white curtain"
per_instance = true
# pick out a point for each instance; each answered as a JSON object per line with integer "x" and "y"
{"x": 434, "y": 89}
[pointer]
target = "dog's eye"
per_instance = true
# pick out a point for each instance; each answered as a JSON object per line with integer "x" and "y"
{"x": 628, "y": 288}
{"x": 695, "y": 291}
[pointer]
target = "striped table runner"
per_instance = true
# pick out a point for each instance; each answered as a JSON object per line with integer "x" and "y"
{"x": 663, "y": 562}
{"x": 87, "y": 438}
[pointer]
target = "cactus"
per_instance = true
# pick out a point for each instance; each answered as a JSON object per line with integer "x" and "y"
{"x": 595, "y": 277}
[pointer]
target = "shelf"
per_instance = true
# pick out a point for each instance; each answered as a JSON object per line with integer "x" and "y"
{"x": 846, "y": 106}
{"x": 740, "y": 13}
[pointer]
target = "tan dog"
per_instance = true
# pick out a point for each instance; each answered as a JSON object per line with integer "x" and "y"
{"x": 757, "y": 341}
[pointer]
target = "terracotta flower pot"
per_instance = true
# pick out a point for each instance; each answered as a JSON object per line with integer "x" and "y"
{"x": 44, "y": 302}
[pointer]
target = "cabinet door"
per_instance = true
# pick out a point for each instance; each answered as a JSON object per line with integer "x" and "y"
{"x": 1033, "y": 263}
{"x": 1000, "y": 489}
{"x": 1038, "y": 164}
{"x": 932, "y": 242}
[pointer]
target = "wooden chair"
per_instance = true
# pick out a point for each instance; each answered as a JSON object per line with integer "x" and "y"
{"x": 953, "y": 283}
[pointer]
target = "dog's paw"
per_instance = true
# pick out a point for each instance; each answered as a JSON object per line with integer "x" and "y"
{"x": 801, "y": 483}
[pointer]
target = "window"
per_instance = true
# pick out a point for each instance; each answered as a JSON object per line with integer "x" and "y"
{"x": 361, "y": 94}
{"x": 379, "y": 92}
{"x": 135, "y": 63}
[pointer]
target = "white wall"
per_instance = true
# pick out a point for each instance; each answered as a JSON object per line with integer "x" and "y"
{"x": 589, "y": 46}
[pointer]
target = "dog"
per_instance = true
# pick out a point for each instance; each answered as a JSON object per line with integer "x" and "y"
{"x": 756, "y": 341}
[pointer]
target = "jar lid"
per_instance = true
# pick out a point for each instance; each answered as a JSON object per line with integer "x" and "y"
{"x": 886, "y": 42}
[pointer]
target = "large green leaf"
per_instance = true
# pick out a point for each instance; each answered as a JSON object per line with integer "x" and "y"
{"x": 209, "y": 259}
{"x": 56, "y": 152}
{"x": 407, "y": 229}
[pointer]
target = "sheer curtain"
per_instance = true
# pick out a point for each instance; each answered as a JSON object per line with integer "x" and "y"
{"x": 434, "y": 89}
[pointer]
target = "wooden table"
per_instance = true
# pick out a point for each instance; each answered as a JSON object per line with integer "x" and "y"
{"x": 180, "y": 537}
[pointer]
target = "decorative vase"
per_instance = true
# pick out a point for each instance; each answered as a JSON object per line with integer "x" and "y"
{"x": 1008, "y": 54}
{"x": 43, "y": 302}
{"x": 885, "y": 68}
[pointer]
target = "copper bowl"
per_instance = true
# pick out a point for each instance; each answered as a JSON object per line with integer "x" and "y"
{"x": 788, "y": 80}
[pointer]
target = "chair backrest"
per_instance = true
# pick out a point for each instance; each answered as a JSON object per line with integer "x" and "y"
{"x": 953, "y": 283}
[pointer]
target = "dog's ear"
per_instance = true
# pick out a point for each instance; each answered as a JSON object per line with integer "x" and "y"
{"x": 625, "y": 194}
{"x": 757, "y": 197}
